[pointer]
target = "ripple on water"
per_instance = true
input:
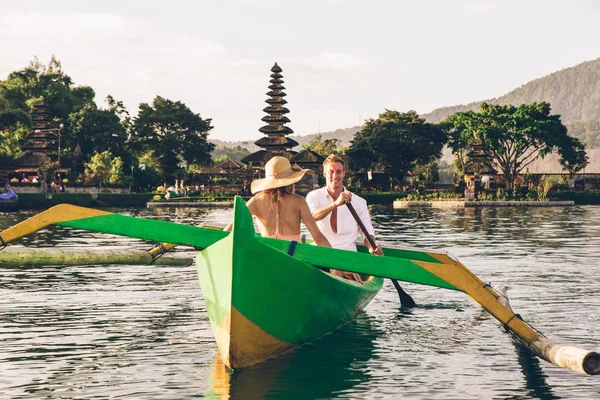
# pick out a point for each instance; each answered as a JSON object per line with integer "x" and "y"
{"x": 142, "y": 331}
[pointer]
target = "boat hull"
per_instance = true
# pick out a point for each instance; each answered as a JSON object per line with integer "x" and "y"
{"x": 262, "y": 302}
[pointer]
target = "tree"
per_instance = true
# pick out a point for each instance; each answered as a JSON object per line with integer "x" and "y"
{"x": 235, "y": 153}
{"x": 426, "y": 174}
{"x": 516, "y": 136}
{"x": 323, "y": 147}
{"x": 173, "y": 133}
{"x": 25, "y": 87}
{"x": 220, "y": 159}
{"x": 14, "y": 125}
{"x": 572, "y": 155}
{"x": 103, "y": 168}
{"x": 22, "y": 88}
{"x": 97, "y": 130}
{"x": 396, "y": 142}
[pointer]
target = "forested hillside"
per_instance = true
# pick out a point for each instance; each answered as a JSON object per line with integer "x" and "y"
{"x": 345, "y": 135}
{"x": 574, "y": 93}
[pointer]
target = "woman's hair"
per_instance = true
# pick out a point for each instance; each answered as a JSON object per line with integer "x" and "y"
{"x": 276, "y": 194}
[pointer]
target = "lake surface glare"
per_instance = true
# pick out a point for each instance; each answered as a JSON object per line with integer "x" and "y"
{"x": 142, "y": 332}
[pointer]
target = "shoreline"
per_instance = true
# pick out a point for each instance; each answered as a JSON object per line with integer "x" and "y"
{"x": 188, "y": 204}
{"x": 473, "y": 204}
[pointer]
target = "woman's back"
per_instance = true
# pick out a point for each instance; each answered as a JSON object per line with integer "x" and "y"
{"x": 278, "y": 217}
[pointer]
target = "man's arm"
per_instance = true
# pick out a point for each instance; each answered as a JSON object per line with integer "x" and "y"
{"x": 321, "y": 212}
{"x": 363, "y": 213}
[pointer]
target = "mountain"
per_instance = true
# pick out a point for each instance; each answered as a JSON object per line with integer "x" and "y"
{"x": 345, "y": 135}
{"x": 573, "y": 92}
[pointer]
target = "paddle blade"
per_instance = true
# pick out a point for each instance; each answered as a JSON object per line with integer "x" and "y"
{"x": 405, "y": 299}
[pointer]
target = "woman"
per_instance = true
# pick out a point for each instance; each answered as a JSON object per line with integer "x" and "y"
{"x": 277, "y": 209}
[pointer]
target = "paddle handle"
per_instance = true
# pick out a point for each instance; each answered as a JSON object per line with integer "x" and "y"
{"x": 405, "y": 299}
{"x": 362, "y": 227}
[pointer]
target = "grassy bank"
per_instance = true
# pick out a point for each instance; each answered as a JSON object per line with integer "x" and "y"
{"x": 37, "y": 201}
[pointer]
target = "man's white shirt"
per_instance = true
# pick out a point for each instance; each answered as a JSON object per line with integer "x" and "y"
{"x": 347, "y": 228}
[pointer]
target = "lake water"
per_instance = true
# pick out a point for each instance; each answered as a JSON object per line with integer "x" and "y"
{"x": 142, "y": 332}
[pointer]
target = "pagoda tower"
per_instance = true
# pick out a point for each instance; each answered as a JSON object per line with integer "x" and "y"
{"x": 275, "y": 142}
{"x": 42, "y": 145}
{"x": 42, "y": 140}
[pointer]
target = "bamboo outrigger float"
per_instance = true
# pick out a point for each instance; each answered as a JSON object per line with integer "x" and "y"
{"x": 266, "y": 296}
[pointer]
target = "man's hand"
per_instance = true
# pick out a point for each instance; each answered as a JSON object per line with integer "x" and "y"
{"x": 378, "y": 251}
{"x": 343, "y": 198}
{"x": 353, "y": 276}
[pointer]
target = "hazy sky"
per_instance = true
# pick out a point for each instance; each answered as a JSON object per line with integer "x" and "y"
{"x": 342, "y": 60}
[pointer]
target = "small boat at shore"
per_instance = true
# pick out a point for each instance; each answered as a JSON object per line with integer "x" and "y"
{"x": 267, "y": 296}
{"x": 9, "y": 201}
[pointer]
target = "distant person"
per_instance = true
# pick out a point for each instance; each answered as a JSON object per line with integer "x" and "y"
{"x": 336, "y": 222}
{"x": 277, "y": 209}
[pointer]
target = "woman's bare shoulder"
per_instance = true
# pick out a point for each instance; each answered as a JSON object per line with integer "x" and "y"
{"x": 297, "y": 198}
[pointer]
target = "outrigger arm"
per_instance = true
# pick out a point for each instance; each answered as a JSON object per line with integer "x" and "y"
{"x": 432, "y": 268}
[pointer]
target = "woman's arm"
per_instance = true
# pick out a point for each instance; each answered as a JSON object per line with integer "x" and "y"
{"x": 311, "y": 225}
{"x": 250, "y": 205}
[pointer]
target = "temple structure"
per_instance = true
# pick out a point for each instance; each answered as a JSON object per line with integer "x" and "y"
{"x": 478, "y": 169}
{"x": 42, "y": 144}
{"x": 42, "y": 141}
{"x": 275, "y": 142}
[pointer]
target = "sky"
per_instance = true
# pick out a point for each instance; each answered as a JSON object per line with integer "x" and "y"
{"x": 343, "y": 61}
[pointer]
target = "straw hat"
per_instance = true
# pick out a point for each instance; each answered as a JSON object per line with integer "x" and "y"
{"x": 279, "y": 173}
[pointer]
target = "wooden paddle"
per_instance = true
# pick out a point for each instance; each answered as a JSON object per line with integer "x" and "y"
{"x": 405, "y": 299}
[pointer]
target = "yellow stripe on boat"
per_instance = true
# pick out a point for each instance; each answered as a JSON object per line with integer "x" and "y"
{"x": 60, "y": 213}
{"x": 249, "y": 344}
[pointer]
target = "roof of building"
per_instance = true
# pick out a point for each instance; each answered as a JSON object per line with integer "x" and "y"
{"x": 281, "y": 142}
{"x": 230, "y": 164}
{"x": 307, "y": 156}
{"x": 211, "y": 171}
{"x": 262, "y": 156}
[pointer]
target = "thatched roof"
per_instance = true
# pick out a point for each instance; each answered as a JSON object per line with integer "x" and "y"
{"x": 307, "y": 156}
{"x": 279, "y": 142}
{"x": 230, "y": 164}
{"x": 262, "y": 156}
{"x": 211, "y": 171}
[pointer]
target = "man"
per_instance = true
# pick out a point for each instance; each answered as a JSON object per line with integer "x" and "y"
{"x": 336, "y": 222}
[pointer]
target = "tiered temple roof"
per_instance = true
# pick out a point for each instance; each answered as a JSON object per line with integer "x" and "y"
{"x": 42, "y": 142}
{"x": 275, "y": 142}
{"x": 42, "y": 137}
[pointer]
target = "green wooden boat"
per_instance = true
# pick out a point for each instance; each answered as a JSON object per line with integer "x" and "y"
{"x": 263, "y": 302}
{"x": 267, "y": 296}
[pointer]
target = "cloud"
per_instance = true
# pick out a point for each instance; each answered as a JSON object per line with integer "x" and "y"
{"x": 339, "y": 61}
{"x": 252, "y": 2}
{"x": 481, "y": 6}
{"x": 102, "y": 44}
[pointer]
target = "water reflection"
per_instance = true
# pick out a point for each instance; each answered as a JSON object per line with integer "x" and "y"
{"x": 535, "y": 378}
{"x": 143, "y": 331}
{"x": 333, "y": 365}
